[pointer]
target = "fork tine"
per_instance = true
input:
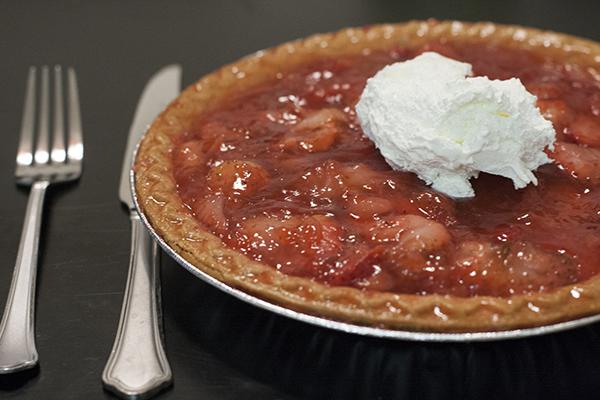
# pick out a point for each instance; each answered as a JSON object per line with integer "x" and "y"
{"x": 25, "y": 150}
{"x": 58, "y": 137}
{"x": 41, "y": 152}
{"x": 75, "y": 149}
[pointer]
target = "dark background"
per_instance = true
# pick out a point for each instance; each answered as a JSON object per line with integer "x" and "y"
{"x": 218, "y": 347}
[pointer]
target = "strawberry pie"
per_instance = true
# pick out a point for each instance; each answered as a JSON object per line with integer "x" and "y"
{"x": 260, "y": 175}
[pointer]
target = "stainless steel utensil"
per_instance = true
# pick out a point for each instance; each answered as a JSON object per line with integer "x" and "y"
{"x": 38, "y": 166}
{"x": 137, "y": 365}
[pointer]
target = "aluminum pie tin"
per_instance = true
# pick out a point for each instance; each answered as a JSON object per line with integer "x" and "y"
{"x": 417, "y": 336}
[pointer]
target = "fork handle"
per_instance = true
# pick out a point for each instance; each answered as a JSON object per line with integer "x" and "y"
{"x": 17, "y": 333}
{"x": 137, "y": 366}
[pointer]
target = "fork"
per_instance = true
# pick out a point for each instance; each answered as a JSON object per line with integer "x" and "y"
{"x": 38, "y": 167}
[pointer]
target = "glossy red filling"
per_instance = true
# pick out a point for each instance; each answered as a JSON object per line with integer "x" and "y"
{"x": 284, "y": 175}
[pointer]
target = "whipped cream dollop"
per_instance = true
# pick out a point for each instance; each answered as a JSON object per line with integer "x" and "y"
{"x": 429, "y": 116}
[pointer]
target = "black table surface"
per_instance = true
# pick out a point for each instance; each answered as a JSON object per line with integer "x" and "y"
{"x": 219, "y": 347}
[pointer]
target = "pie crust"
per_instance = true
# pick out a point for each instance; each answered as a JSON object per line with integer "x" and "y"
{"x": 160, "y": 202}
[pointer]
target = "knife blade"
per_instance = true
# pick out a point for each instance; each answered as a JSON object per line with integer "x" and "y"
{"x": 137, "y": 366}
{"x": 162, "y": 88}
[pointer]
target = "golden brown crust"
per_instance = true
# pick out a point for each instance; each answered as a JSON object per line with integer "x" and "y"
{"x": 158, "y": 197}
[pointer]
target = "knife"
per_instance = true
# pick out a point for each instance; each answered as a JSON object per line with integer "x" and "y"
{"x": 137, "y": 366}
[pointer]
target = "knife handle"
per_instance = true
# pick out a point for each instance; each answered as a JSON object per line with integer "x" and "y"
{"x": 137, "y": 366}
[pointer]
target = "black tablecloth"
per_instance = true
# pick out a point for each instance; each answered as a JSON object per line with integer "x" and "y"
{"x": 220, "y": 348}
